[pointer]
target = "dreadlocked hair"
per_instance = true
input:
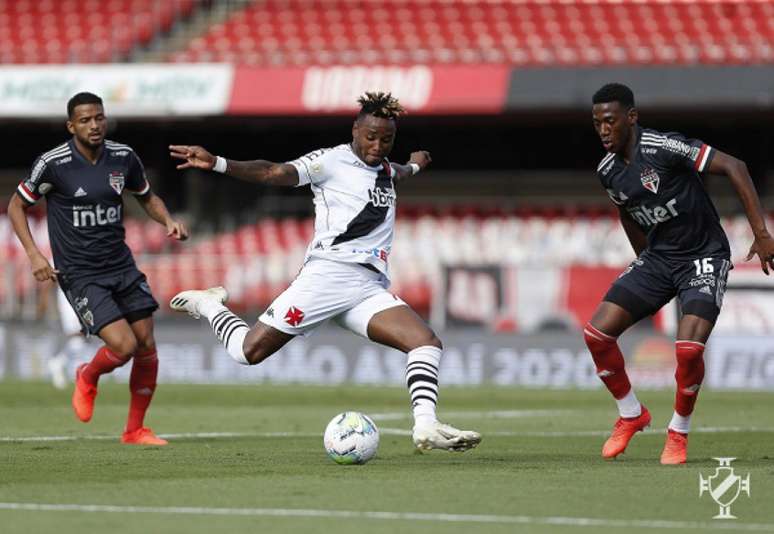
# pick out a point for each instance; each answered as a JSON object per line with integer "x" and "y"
{"x": 380, "y": 104}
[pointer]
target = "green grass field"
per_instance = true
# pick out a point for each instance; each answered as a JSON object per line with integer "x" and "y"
{"x": 537, "y": 470}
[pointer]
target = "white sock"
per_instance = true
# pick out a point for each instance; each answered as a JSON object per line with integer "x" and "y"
{"x": 629, "y": 406}
{"x": 230, "y": 329}
{"x": 210, "y": 307}
{"x": 680, "y": 423}
{"x": 422, "y": 381}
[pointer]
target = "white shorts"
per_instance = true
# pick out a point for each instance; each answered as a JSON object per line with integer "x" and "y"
{"x": 70, "y": 322}
{"x": 348, "y": 293}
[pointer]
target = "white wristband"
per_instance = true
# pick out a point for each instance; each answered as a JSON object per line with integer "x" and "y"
{"x": 220, "y": 165}
{"x": 414, "y": 168}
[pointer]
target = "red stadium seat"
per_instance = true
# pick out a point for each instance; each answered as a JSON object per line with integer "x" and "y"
{"x": 81, "y": 31}
{"x": 527, "y": 32}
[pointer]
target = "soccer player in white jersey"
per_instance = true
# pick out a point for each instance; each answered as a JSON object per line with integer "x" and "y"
{"x": 345, "y": 275}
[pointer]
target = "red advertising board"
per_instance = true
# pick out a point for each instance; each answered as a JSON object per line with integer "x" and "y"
{"x": 475, "y": 89}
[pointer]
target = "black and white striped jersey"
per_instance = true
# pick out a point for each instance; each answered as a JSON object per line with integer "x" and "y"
{"x": 354, "y": 206}
{"x": 662, "y": 189}
{"x": 84, "y": 205}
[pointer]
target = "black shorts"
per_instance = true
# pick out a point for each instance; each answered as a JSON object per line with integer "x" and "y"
{"x": 101, "y": 300}
{"x": 652, "y": 280}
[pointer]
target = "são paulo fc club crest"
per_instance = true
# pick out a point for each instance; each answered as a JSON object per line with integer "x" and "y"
{"x": 650, "y": 180}
{"x": 294, "y": 316}
{"x": 116, "y": 180}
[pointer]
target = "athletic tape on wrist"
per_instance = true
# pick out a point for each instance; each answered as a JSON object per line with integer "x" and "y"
{"x": 220, "y": 165}
{"x": 414, "y": 168}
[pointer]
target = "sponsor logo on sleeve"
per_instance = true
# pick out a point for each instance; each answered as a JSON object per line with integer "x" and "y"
{"x": 678, "y": 147}
{"x": 37, "y": 172}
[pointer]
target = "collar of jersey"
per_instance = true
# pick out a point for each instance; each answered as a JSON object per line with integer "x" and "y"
{"x": 375, "y": 167}
{"x": 83, "y": 159}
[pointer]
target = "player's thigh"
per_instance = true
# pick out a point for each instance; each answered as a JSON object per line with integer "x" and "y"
{"x": 119, "y": 338}
{"x": 641, "y": 290}
{"x": 389, "y": 321}
{"x": 262, "y": 341}
{"x": 357, "y": 318}
{"x": 142, "y": 327}
{"x": 611, "y": 319}
{"x": 701, "y": 287}
{"x": 694, "y": 328}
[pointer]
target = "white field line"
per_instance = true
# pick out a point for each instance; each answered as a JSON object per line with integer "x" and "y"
{"x": 496, "y": 414}
{"x": 393, "y": 516}
{"x": 386, "y": 431}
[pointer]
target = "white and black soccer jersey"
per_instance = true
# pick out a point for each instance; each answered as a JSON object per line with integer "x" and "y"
{"x": 85, "y": 207}
{"x": 661, "y": 188}
{"x": 354, "y": 206}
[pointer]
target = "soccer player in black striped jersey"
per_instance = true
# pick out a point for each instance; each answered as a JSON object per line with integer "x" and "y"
{"x": 83, "y": 181}
{"x": 655, "y": 180}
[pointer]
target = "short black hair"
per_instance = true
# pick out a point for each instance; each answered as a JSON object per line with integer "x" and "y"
{"x": 80, "y": 99}
{"x": 614, "y": 92}
{"x": 380, "y": 104}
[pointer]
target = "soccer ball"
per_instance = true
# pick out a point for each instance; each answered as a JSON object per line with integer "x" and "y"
{"x": 351, "y": 438}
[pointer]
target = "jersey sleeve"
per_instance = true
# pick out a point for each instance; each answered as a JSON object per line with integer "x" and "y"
{"x": 136, "y": 181}
{"x": 680, "y": 152}
{"x": 38, "y": 183}
{"x": 603, "y": 175}
{"x": 311, "y": 167}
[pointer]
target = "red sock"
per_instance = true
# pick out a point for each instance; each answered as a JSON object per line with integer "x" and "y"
{"x": 609, "y": 361}
{"x": 142, "y": 384}
{"x": 689, "y": 375}
{"x": 103, "y": 362}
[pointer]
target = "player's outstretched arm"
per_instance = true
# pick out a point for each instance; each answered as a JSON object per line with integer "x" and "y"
{"x": 634, "y": 233}
{"x": 157, "y": 210}
{"x": 417, "y": 162}
{"x": 17, "y": 213}
{"x": 261, "y": 171}
{"x": 736, "y": 170}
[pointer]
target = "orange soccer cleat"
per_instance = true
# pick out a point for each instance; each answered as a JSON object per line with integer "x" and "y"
{"x": 142, "y": 436}
{"x": 675, "y": 449}
{"x": 623, "y": 431}
{"x": 83, "y": 396}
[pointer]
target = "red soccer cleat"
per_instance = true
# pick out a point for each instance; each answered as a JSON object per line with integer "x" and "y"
{"x": 675, "y": 449}
{"x": 623, "y": 431}
{"x": 83, "y": 396}
{"x": 142, "y": 436}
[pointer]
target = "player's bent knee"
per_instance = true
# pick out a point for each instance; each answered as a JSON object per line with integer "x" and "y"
{"x": 596, "y": 340}
{"x": 125, "y": 348}
{"x": 424, "y": 339}
{"x": 435, "y": 341}
{"x": 146, "y": 348}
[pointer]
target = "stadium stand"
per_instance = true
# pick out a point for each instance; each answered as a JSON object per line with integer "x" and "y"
{"x": 522, "y": 33}
{"x": 81, "y": 31}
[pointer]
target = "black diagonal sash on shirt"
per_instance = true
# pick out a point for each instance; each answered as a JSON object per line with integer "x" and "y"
{"x": 370, "y": 217}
